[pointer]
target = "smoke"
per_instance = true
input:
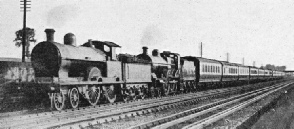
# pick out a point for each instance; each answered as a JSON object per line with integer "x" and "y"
{"x": 152, "y": 35}
{"x": 60, "y": 15}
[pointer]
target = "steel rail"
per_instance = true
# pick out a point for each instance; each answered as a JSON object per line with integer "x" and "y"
{"x": 95, "y": 121}
{"x": 100, "y": 111}
{"x": 127, "y": 112}
{"x": 185, "y": 113}
{"x": 110, "y": 108}
{"x": 201, "y": 124}
{"x": 198, "y": 114}
{"x": 138, "y": 110}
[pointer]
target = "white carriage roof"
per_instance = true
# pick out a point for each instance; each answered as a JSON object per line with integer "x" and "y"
{"x": 201, "y": 59}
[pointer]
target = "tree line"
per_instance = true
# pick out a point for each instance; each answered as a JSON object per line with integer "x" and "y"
{"x": 30, "y": 38}
{"x": 273, "y": 67}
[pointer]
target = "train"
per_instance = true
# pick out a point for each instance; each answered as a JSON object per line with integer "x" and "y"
{"x": 94, "y": 73}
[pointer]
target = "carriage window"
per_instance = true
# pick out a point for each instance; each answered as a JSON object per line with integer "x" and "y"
{"x": 213, "y": 69}
{"x": 202, "y": 68}
{"x": 205, "y": 68}
{"x": 106, "y": 48}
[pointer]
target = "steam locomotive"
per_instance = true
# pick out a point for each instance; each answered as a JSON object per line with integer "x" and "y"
{"x": 94, "y": 73}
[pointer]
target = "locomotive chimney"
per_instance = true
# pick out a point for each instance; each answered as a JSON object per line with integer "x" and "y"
{"x": 50, "y": 35}
{"x": 145, "y": 50}
{"x": 90, "y": 43}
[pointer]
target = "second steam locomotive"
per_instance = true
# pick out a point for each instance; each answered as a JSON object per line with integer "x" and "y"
{"x": 94, "y": 73}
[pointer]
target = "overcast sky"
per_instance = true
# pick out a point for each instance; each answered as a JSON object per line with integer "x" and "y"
{"x": 260, "y": 31}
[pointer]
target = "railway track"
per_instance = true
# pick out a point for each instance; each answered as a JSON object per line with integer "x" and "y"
{"x": 200, "y": 117}
{"x": 108, "y": 112}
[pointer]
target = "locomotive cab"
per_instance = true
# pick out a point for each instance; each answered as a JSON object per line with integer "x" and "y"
{"x": 109, "y": 48}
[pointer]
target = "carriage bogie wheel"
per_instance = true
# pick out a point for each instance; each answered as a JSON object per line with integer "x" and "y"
{"x": 74, "y": 98}
{"x": 59, "y": 101}
{"x": 94, "y": 96}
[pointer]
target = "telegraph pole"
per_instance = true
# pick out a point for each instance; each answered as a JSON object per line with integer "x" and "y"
{"x": 243, "y": 61}
{"x": 201, "y": 49}
{"x": 24, "y": 9}
{"x": 228, "y": 57}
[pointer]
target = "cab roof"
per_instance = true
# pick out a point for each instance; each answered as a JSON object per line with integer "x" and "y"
{"x": 107, "y": 43}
